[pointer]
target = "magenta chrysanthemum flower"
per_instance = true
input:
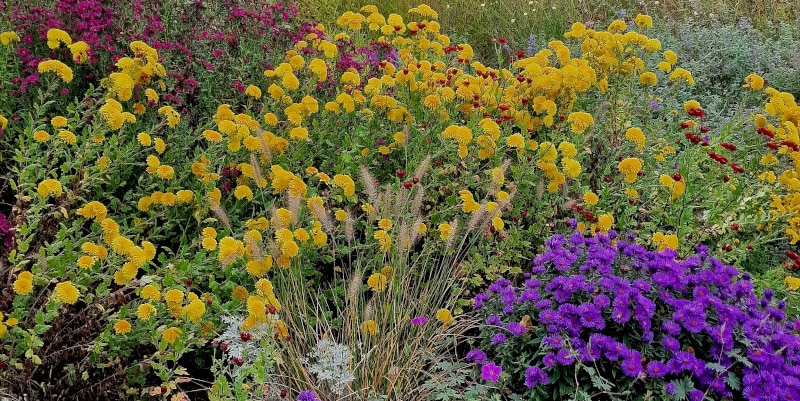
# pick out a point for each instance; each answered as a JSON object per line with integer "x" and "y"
{"x": 491, "y": 372}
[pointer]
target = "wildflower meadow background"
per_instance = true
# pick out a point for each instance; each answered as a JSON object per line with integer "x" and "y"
{"x": 464, "y": 200}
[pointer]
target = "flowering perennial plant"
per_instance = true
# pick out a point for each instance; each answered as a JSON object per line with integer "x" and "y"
{"x": 593, "y": 308}
{"x": 347, "y": 182}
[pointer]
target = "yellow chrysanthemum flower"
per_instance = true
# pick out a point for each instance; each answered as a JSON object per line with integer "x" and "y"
{"x": 369, "y": 327}
{"x": 7, "y": 37}
{"x": 345, "y": 183}
{"x": 754, "y": 82}
{"x": 792, "y": 282}
{"x": 68, "y": 137}
{"x": 636, "y": 136}
{"x": 145, "y": 311}
{"x": 590, "y": 198}
{"x": 445, "y": 231}
{"x": 243, "y": 191}
{"x": 253, "y": 91}
{"x": 122, "y": 327}
{"x": 580, "y": 121}
{"x": 49, "y": 187}
{"x": 23, "y": 285}
{"x": 61, "y": 69}
{"x": 377, "y": 282}
{"x": 444, "y": 316}
{"x": 171, "y": 334}
{"x": 41, "y": 136}
{"x": 643, "y": 21}
{"x": 195, "y": 310}
{"x": 86, "y": 262}
{"x": 66, "y": 292}
{"x": 630, "y": 167}
{"x": 55, "y": 37}
{"x": 151, "y": 292}
{"x": 605, "y": 222}
{"x": 58, "y": 122}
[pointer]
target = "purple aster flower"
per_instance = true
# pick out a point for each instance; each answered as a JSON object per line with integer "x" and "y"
{"x": 670, "y": 388}
{"x": 670, "y": 344}
{"x": 516, "y": 329}
{"x": 632, "y": 363}
{"x": 532, "y": 283}
{"x": 697, "y": 395}
{"x": 671, "y": 328}
{"x": 534, "y": 376}
{"x": 553, "y": 341}
{"x": 657, "y": 369}
{"x": 564, "y": 357}
{"x": 682, "y": 361}
{"x": 602, "y": 301}
{"x": 419, "y": 320}
{"x": 548, "y": 316}
{"x": 528, "y": 295}
{"x": 491, "y": 372}
{"x": 480, "y": 299}
{"x": 307, "y": 395}
{"x": 591, "y": 317}
{"x": 498, "y": 338}
{"x": 549, "y": 359}
{"x": 494, "y": 320}
{"x": 476, "y": 356}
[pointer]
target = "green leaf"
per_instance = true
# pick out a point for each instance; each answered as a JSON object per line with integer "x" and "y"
{"x": 733, "y": 381}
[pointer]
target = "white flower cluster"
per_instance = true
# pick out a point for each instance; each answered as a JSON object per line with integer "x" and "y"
{"x": 330, "y": 363}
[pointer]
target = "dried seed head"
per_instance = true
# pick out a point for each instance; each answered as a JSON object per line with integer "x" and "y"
{"x": 256, "y": 168}
{"x": 349, "y": 229}
{"x": 266, "y": 154}
{"x": 403, "y": 237}
{"x": 454, "y": 225}
{"x": 419, "y": 198}
{"x": 423, "y": 166}
{"x": 293, "y": 205}
{"x": 369, "y": 185}
{"x": 220, "y": 214}
{"x": 369, "y": 310}
{"x": 415, "y": 235}
{"x": 324, "y": 217}
{"x": 477, "y": 219}
{"x": 254, "y": 247}
{"x": 355, "y": 287}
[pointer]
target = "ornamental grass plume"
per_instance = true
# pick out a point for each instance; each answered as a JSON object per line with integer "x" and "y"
{"x": 386, "y": 335}
{"x": 608, "y": 307}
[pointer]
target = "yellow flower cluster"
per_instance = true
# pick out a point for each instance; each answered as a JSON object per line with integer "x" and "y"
{"x": 61, "y": 69}
{"x": 377, "y": 282}
{"x": 66, "y": 292}
{"x": 662, "y": 241}
{"x": 56, "y": 37}
{"x": 114, "y": 116}
{"x": 785, "y": 112}
{"x": 676, "y": 188}
{"x": 7, "y": 37}
{"x": 23, "y": 285}
{"x": 49, "y": 187}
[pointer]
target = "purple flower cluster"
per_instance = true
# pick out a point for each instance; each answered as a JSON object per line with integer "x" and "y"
{"x": 656, "y": 319}
{"x": 90, "y": 21}
{"x": 307, "y": 395}
{"x": 6, "y": 232}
